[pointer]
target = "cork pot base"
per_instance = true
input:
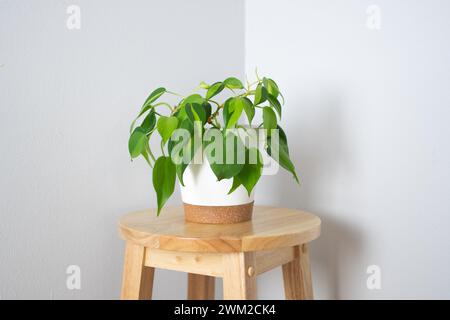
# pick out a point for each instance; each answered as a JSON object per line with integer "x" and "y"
{"x": 218, "y": 214}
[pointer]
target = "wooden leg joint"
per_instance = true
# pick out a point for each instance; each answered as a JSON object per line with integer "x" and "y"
{"x": 239, "y": 271}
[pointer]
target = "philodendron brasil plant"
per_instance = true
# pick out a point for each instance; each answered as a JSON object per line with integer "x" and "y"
{"x": 201, "y": 116}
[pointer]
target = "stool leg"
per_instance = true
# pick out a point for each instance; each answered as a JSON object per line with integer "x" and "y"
{"x": 239, "y": 279}
{"x": 200, "y": 287}
{"x": 137, "y": 280}
{"x": 297, "y": 276}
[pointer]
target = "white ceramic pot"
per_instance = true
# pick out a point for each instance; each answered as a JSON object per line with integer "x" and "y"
{"x": 202, "y": 188}
{"x": 206, "y": 200}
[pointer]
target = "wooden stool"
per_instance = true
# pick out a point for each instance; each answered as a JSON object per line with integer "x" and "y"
{"x": 235, "y": 252}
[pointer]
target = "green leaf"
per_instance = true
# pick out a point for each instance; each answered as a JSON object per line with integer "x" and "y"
{"x": 250, "y": 173}
{"x": 149, "y": 122}
{"x": 260, "y": 94}
{"x": 196, "y": 112}
{"x": 188, "y": 145}
{"x": 164, "y": 175}
{"x": 166, "y": 126}
{"x": 230, "y": 164}
{"x": 227, "y": 110}
{"x": 233, "y": 83}
{"x": 269, "y": 119}
{"x": 236, "y": 106}
{"x": 203, "y": 85}
{"x": 181, "y": 114}
{"x": 154, "y": 95}
{"x": 193, "y": 98}
{"x": 274, "y": 103}
{"x": 147, "y": 104}
{"x": 271, "y": 86}
{"x": 283, "y": 139}
{"x": 280, "y": 147}
{"x": 236, "y": 184}
{"x": 249, "y": 109}
{"x": 214, "y": 89}
{"x": 208, "y": 109}
{"x": 137, "y": 142}
{"x": 146, "y": 157}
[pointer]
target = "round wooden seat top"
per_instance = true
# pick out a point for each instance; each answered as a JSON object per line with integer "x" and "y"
{"x": 270, "y": 228}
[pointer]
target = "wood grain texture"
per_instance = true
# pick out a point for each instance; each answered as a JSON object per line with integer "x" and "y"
{"x": 194, "y": 262}
{"x": 270, "y": 228}
{"x": 200, "y": 287}
{"x": 267, "y": 260}
{"x": 137, "y": 282}
{"x": 239, "y": 281}
{"x": 297, "y": 276}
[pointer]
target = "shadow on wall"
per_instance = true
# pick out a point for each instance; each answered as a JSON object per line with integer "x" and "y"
{"x": 318, "y": 148}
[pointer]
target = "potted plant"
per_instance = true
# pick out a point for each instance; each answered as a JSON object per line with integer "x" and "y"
{"x": 216, "y": 158}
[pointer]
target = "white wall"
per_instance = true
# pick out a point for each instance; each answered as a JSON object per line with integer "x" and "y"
{"x": 366, "y": 115}
{"x": 66, "y": 102}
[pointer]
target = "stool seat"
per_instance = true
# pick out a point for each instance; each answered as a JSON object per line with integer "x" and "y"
{"x": 270, "y": 228}
{"x": 235, "y": 252}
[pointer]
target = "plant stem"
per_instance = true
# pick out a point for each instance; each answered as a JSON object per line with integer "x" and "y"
{"x": 215, "y": 102}
{"x": 175, "y": 109}
{"x": 162, "y": 148}
{"x": 257, "y": 76}
{"x": 216, "y": 113}
{"x": 249, "y": 85}
{"x": 164, "y": 104}
{"x": 175, "y": 94}
{"x": 151, "y": 154}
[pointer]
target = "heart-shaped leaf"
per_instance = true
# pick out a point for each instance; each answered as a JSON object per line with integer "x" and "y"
{"x": 250, "y": 173}
{"x": 164, "y": 175}
{"x": 227, "y": 111}
{"x": 154, "y": 96}
{"x": 274, "y": 103}
{"x": 271, "y": 86}
{"x": 260, "y": 94}
{"x": 233, "y": 83}
{"x": 279, "y": 151}
{"x": 149, "y": 122}
{"x": 137, "y": 142}
{"x": 229, "y": 164}
{"x": 236, "y": 106}
{"x": 269, "y": 119}
{"x": 236, "y": 184}
{"x": 249, "y": 109}
{"x": 147, "y": 104}
{"x": 166, "y": 126}
{"x": 187, "y": 150}
{"x": 193, "y": 98}
{"x": 196, "y": 112}
{"x": 214, "y": 89}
